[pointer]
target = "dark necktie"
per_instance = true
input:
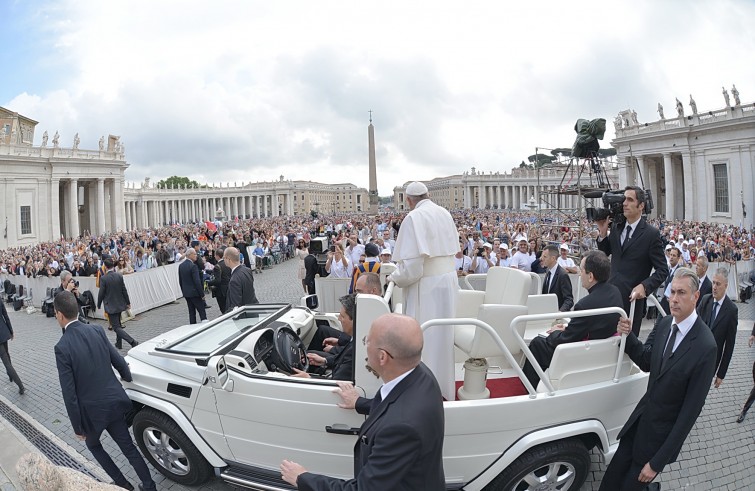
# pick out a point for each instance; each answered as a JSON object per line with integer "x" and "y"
{"x": 546, "y": 286}
{"x": 713, "y": 314}
{"x": 670, "y": 346}
{"x": 626, "y": 237}
{"x": 376, "y": 401}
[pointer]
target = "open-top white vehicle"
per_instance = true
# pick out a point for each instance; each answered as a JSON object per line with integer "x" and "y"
{"x": 217, "y": 398}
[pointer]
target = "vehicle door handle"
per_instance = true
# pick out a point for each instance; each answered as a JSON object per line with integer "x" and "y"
{"x": 341, "y": 429}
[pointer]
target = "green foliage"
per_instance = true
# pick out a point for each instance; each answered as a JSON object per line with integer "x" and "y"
{"x": 607, "y": 152}
{"x": 566, "y": 152}
{"x": 541, "y": 159}
{"x": 177, "y": 182}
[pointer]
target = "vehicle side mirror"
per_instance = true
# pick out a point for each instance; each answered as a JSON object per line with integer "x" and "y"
{"x": 217, "y": 374}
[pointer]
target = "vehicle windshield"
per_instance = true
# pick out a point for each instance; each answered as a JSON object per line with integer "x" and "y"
{"x": 223, "y": 331}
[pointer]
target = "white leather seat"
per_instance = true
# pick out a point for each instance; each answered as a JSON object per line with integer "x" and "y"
{"x": 540, "y": 304}
{"x": 503, "y": 286}
{"x": 329, "y": 290}
{"x": 537, "y": 283}
{"x": 585, "y": 362}
{"x": 477, "y": 343}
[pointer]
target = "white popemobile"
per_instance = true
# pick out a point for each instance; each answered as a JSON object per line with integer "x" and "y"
{"x": 217, "y": 398}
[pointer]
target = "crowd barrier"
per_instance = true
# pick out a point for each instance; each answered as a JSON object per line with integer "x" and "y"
{"x": 146, "y": 289}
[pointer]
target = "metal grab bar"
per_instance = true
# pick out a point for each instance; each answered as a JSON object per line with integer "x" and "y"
{"x": 468, "y": 285}
{"x": 389, "y": 292}
{"x": 558, "y": 315}
{"x": 496, "y": 338}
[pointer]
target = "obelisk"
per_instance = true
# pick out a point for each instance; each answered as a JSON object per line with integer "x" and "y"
{"x": 373, "y": 169}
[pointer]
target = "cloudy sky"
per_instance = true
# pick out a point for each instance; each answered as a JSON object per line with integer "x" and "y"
{"x": 251, "y": 90}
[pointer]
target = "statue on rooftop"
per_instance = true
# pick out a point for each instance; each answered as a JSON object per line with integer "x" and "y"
{"x": 617, "y": 123}
{"x": 44, "y": 139}
{"x": 735, "y": 93}
{"x": 692, "y": 104}
{"x": 102, "y": 143}
{"x": 660, "y": 111}
{"x": 679, "y": 108}
{"x": 634, "y": 118}
{"x": 726, "y": 96}
{"x": 76, "y": 141}
{"x": 55, "y": 139}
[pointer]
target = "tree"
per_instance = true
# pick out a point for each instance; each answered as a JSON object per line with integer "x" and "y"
{"x": 606, "y": 152}
{"x": 176, "y": 182}
{"x": 566, "y": 152}
{"x": 541, "y": 159}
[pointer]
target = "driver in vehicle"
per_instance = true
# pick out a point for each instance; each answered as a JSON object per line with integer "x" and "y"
{"x": 342, "y": 363}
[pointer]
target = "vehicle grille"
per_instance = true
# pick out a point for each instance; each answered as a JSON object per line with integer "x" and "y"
{"x": 179, "y": 390}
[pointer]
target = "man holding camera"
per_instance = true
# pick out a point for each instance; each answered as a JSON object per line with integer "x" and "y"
{"x": 483, "y": 259}
{"x": 636, "y": 250}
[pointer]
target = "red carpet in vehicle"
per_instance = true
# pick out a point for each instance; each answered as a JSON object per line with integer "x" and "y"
{"x": 501, "y": 387}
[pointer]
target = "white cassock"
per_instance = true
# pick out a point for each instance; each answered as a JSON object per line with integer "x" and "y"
{"x": 424, "y": 256}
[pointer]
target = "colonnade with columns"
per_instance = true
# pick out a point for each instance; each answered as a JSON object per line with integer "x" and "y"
{"x": 514, "y": 196}
{"x": 84, "y": 204}
{"x": 155, "y": 208}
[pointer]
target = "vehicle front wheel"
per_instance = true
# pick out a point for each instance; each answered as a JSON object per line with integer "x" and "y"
{"x": 554, "y": 466}
{"x": 168, "y": 448}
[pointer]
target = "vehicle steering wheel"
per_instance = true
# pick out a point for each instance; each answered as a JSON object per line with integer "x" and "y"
{"x": 289, "y": 353}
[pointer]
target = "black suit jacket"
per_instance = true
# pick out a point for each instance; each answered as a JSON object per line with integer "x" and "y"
{"x": 311, "y": 269}
{"x": 724, "y": 329}
{"x": 400, "y": 445}
{"x": 561, "y": 285}
{"x": 93, "y": 396}
{"x": 675, "y": 395}
{"x": 603, "y": 326}
{"x": 342, "y": 364}
{"x": 632, "y": 265}
{"x": 113, "y": 293}
{"x": 188, "y": 278}
{"x": 706, "y": 287}
{"x": 6, "y": 329}
{"x": 240, "y": 288}
{"x": 221, "y": 277}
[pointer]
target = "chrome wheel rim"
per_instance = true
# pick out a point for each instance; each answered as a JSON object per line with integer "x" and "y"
{"x": 166, "y": 451}
{"x": 555, "y": 476}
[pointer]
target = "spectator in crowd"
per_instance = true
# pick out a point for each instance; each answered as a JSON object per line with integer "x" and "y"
{"x": 522, "y": 259}
{"x": 462, "y": 262}
{"x": 674, "y": 262}
{"x": 338, "y": 264}
{"x": 503, "y": 259}
{"x": 483, "y": 259}
{"x": 556, "y": 279}
{"x": 301, "y": 252}
{"x": 565, "y": 261}
{"x": 371, "y": 264}
{"x": 701, "y": 268}
{"x": 354, "y": 249}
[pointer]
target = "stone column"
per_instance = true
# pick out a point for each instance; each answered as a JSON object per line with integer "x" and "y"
{"x": 645, "y": 181}
{"x": 690, "y": 193}
{"x": 55, "y": 208}
{"x": 264, "y": 205}
{"x": 73, "y": 208}
{"x": 256, "y": 206}
{"x": 274, "y": 204}
{"x": 100, "y": 206}
{"x": 668, "y": 176}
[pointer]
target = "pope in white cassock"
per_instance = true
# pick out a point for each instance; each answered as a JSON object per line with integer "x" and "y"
{"x": 424, "y": 255}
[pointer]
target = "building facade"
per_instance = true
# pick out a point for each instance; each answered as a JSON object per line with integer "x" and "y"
{"x": 699, "y": 166}
{"x": 149, "y": 206}
{"x": 520, "y": 189}
{"x": 49, "y": 192}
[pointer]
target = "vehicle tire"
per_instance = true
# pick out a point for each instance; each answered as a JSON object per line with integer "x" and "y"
{"x": 561, "y": 465}
{"x": 168, "y": 448}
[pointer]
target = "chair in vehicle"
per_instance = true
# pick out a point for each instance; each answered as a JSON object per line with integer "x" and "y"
{"x": 537, "y": 283}
{"x": 585, "y": 362}
{"x": 540, "y": 304}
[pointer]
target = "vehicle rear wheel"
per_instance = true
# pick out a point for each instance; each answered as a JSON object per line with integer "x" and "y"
{"x": 554, "y": 466}
{"x": 168, "y": 448}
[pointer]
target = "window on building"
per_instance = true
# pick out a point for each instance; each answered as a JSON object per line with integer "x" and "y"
{"x": 25, "y": 220}
{"x": 721, "y": 187}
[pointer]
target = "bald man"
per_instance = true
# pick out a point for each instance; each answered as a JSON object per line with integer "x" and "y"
{"x": 400, "y": 444}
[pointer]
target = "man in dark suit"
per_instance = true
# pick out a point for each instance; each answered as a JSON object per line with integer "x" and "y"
{"x": 680, "y": 354}
{"x": 751, "y": 398}
{"x": 241, "y": 284}
{"x": 556, "y": 279}
{"x": 674, "y": 262}
{"x": 221, "y": 277}
{"x": 400, "y": 444}
{"x": 595, "y": 269}
{"x": 701, "y": 268}
{"x": 633, "y": 257}
{"x": 191, "y": 286}
{"x": 722, "y": 316}
{"x": 6, "y": 334}
{"x": 340, "y": 363}
{"x": 94, "y": 398}
{"x": 115, "y": 296}
{"x": 311, "y": 268}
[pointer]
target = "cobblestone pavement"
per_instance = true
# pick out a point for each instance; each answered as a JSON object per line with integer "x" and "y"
{"x": 717, "y": 454}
